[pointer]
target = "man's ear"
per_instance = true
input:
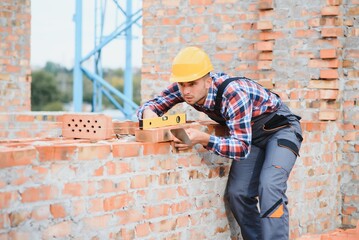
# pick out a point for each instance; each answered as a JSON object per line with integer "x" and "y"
{"x": 208, "y": 81}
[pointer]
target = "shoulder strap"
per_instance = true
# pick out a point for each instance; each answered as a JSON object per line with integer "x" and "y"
{"x": 221, "y": 87}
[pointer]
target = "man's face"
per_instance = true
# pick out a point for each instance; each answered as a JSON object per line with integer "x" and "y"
{"x": 195, "y": 91}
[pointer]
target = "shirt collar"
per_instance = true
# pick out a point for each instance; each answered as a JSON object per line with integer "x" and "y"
{"x": 212, "y": 91}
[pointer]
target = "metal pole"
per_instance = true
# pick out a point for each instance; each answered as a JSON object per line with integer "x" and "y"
{"x": 128, "y": 89}
{"x": 78, "y": 78}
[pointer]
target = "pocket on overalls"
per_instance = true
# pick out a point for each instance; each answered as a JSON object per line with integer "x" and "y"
{"x": 275, "y": 123}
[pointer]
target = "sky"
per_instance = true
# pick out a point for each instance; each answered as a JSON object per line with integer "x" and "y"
{"x": 53, "y": 33}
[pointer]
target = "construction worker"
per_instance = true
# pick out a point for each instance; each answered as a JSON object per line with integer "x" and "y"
{"x": 264, "y": 142}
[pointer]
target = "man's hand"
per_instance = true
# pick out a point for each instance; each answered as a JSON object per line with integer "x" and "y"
{"x": 195, "y": 136}
{"x": 148, "y": 113}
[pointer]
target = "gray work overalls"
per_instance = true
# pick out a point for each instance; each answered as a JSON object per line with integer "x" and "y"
{"x": 276, "y": 140}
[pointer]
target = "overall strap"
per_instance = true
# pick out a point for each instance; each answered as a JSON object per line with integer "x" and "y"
{"x": 221, "y": 87}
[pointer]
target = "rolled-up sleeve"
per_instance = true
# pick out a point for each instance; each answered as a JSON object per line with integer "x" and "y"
{"x": 162, "y": 103}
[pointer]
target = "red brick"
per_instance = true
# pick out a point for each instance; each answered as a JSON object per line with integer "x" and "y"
{"x": 306, "y": 33}
{"x": 141, "y": 181}
{"x": 10, "y": 157}
{"x": 129, "y": 216}
{"x": 267, "y": 83}
{"x": 73, "y": 189}
{"x": 154, "y": 135}
{"x": 200, "y": 2}
{"x": 353, "y": 11}
{"x": 329, "y": 94}
{"x": 156, "y": 148}
{"x": 11, "y": 68}
{"x": 142, "y": 230}
{"x": 118, "y": 167}
{"x": 324, "y": 84}
{"x": 166, "y": 225}
{"x": 156, "y": 211}
{"x": 118, "y": 202}
{"x": 265, "y": 56}
{"x": 264, "y": 25}
{"x": 264, "y": 46}
{"x": 269, "y": 35}
{"x": 95, "y": 205}
{"x": 225, "y": 57}
{"x": 126, "y": 149}
{"x": 37, "y": 194}
{"x": 329, "y": 74}
{"x": 328, "y": 53}
{"x": 181, "y": 207}
{"x": 334, "y": 2}
{"x": 56, "y": 152}
{"x": 328, "y": 115}
{"x": 330, "y": 11}
{"x": 125, "y": 127}
{"x": 265, "y": 5}
{"x": 57, "y": 210}
{"x": 87, "y": 126}
{"x": 25, "y": 118}
{"x": 93, "y": 151}
{"x": 264, "y": 65}
{"x": 319, "y": 63}
{"x": 332, "y": 32}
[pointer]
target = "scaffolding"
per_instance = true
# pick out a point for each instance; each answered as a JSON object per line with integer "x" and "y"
{"x": 100, "y": 86}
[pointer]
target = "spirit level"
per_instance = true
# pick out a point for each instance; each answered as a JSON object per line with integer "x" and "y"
{"x": 166, "y": 120}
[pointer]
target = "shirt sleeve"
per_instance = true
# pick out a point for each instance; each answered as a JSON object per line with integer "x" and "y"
{"x": 163, "y": 102}
{"x": 237, "y": 111}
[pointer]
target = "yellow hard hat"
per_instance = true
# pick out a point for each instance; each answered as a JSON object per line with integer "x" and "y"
{"x": 190, "y": 64}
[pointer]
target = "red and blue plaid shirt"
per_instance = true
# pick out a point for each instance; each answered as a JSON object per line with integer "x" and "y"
{"x": 242, "y": 100}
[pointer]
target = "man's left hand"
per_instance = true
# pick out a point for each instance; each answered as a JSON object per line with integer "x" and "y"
{"x": 195, "y": 136}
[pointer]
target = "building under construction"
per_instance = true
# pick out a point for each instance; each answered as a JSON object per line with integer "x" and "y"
{"x": 60, "y": 180}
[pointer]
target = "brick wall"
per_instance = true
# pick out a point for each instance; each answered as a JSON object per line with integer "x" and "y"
{"x": 15, "y": 72}
{"x": 110, "y": 190}
{"x": 30, "y": 125}
{"x": 304, "y": 51}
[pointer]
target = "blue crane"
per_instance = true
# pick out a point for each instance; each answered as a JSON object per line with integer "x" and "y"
{"x": 100, "y": 85}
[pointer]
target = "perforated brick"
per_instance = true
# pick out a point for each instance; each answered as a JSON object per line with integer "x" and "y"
{"x": 87, "y": 126}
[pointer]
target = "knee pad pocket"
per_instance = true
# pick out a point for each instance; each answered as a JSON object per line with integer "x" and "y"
{"x": 289, "y": 145}
{"x": 276, "y": 211}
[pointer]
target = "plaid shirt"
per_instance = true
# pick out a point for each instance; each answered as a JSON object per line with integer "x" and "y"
{"x": 242, "y": 100}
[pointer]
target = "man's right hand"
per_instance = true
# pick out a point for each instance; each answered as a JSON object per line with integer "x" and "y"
{"x": 148, "y": 113}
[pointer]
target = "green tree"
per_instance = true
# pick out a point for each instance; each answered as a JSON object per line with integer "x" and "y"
{"x": 43, "y": 90}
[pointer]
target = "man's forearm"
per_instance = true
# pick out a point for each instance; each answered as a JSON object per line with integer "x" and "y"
{"x": 148, "y": 113}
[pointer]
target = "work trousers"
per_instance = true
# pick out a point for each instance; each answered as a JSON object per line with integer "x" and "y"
{"x": 263, "y": 176}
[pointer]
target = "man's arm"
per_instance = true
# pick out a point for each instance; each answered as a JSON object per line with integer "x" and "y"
{"x": 148, "y": 113}
{"x": 160, "y": 104}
